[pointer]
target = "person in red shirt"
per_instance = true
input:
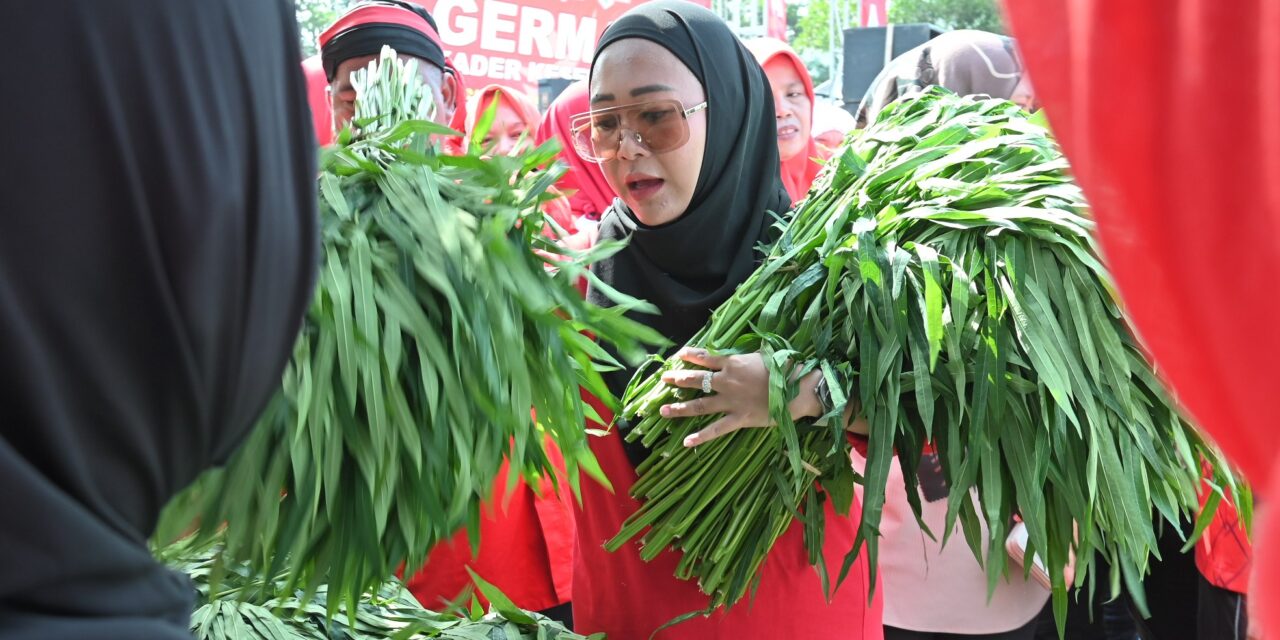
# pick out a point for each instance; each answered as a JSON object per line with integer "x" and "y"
{"x": 793, "y": 99}
{"x": 831, "y": 123}
{"x": 526, "y": 550}
{"x": 683, "y": 128}
{"x": 1223, "y": 556}
{"x": 527, "y": 537}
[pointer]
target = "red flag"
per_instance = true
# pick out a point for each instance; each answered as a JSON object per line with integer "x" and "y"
{"x": 776, "y": 25}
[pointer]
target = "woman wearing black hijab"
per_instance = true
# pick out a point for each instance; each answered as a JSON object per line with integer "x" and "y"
{"x": 157, "y": 246}
{"x": 684, "y": 130}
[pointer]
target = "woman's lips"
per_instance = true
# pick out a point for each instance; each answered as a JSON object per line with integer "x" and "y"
{"x": 788, "y": 132}
{"x": 643, "y": 187}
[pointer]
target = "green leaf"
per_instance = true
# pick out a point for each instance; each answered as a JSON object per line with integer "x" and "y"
{"x": 500, "y": 602}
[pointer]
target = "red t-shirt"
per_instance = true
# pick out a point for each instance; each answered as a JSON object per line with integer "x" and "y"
{"x": 526, "y": 550}
{"x": 626, "y": 597}
{"x": 1224, "y": 553}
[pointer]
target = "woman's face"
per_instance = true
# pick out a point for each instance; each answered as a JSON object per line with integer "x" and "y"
{"x": 791, "y": 105}
{"x": 658, "y": 187}
{"x": 508, "y": 135}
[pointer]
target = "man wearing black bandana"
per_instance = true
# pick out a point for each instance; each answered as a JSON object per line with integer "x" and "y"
{"x": 358, "y": 36}
{"x": 157, "y": 251}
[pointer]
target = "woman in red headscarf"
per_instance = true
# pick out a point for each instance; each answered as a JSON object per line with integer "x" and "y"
{"x": 793, "y": 100}
{"x": 513, "y": 130}
{"x": 589, "y": 194}
{"x": 514, "y": 123}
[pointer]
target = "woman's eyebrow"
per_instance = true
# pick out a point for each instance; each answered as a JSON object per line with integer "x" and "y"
{"x": 650, "y": 88}
{"x": 638, "y": 91}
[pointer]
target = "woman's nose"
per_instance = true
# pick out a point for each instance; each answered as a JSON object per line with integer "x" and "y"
{"x": 781, "y": 108}
{"x": 631, "y": 145}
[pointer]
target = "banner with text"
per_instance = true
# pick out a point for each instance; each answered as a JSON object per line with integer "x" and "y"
{"x": 516, "y": 44}
{"x": 874, "y": 13}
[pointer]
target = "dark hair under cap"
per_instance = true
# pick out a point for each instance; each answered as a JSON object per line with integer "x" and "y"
{"x": 350, "y": 37}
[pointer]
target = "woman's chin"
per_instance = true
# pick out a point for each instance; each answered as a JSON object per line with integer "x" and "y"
{"x": 651, "y": 216}
{"x": 790, "y": 151}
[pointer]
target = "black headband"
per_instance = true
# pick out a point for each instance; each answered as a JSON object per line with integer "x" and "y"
{"x": 368, "y": 40}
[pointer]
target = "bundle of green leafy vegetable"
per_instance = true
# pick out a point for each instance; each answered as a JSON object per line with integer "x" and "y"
{"x": 239, "y": 605}
{"x": 436, "y": 327}
{"x": 943, "y": 276}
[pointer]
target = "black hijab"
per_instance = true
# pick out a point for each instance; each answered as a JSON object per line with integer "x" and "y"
{"x": 690, "y": 266}
{"x": 156, "y": 256}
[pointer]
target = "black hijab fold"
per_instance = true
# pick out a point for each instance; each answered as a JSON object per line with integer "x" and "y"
{"x": 690, "y": 266}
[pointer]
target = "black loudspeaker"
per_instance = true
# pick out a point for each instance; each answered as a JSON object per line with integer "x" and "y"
{"x": 867, "y": 50}
{"x": 549, "y": 89}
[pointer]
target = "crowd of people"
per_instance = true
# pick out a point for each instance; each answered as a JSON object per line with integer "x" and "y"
{"x": 674, "y": 189}
{"x": 684, "y": 141}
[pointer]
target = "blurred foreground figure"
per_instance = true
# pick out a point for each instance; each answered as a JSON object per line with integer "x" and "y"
{"x": 1185, "y": 186}
{"x": 156, "y": 254}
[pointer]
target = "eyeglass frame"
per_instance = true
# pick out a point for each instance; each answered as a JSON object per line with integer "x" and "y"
{"x": 684, "y": 115}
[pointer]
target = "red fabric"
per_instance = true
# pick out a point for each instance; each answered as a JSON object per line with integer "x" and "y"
{"x": 859, "y": 443}
{"x": 455, "y": 145}
{"x": 1169, "y": 111}
{"x": 380, "y": 14}
{"x": 1264, "y": 584}
{"x": 318, "y": 99}
{"x": 1223, "y": 553}
{"x": 559, "y": 532}
{"x": 589, "y": 193}
{"x": 627, "y": 598}
{"x": 798, "y": 172}
{"x": 526, "y": 550}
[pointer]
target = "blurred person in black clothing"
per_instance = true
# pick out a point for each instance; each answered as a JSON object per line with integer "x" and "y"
{"x": 157, "y": 250}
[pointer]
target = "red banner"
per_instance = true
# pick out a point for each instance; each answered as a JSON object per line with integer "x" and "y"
{"x": 519, "y": 43}
{"x": 875, "y": 13}
{"x": 776, "y": 25}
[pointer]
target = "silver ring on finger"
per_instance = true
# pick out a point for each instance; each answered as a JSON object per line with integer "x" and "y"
{"x": 706, "y": 381}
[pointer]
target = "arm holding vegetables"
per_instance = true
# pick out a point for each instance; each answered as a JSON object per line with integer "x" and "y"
{"x": 741, "y": 386}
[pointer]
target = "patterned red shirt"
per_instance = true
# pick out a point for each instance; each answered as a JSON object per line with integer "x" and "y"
{"x": 1223, "y": 553}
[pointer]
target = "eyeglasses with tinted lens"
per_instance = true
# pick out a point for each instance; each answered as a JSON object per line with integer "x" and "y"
{"x": 658, "y": 125}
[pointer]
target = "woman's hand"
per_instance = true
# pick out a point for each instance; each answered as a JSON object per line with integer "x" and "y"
{"x": 740, "y": 390}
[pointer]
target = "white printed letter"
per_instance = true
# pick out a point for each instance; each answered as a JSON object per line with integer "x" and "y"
{"x": 497, "y": 21}
{"x": 461, "y": 30}
{"x": 536, "y": 28}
